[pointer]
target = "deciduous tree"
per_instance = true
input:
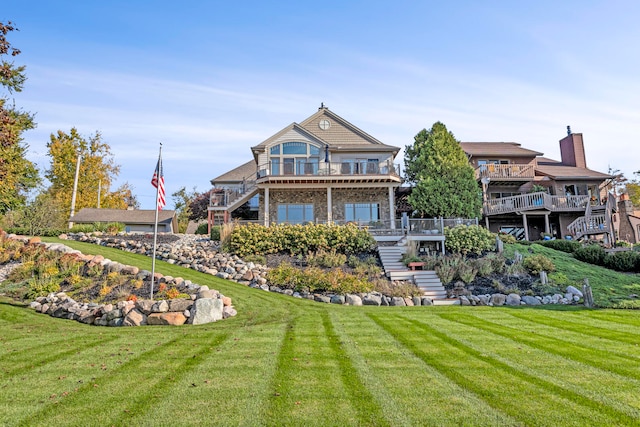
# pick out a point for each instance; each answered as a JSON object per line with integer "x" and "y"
{"x": 17, "y": 174}
{"x": 182, "y": 200}
{"x": 97, "y": 169}
{"x": 444, "y": 181}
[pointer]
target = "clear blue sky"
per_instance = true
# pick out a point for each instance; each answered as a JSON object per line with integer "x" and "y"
{"x": 210, "y": 79}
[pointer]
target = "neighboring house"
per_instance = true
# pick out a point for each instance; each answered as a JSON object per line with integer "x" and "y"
{"x": 627, "y": 221}
{"x": 134, "y": 220}
{"x": 323, "y": 169}
{"x": 526, "y": 194}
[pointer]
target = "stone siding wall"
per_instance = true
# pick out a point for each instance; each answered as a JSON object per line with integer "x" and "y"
{"x": 318, "y": 197}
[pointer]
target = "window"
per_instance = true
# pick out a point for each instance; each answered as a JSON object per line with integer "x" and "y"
{"x": 570, "y": 190}
{"x": 295, "y": 213}
{"x": 362, "y": 212}
{"x": 294, "y": 158}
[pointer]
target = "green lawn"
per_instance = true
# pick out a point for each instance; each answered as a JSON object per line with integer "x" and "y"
{"x": 284, "y": 361}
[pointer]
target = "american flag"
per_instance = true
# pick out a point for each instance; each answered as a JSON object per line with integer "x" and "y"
{"x": 158, "y": 182}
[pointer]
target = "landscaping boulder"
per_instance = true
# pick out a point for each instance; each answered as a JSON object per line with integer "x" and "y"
{"x": 206, "y": 310}
{"x": 353, "y": 299}
{"x": 498, "y": 299}
{"x": 170, "y": 318}
{"x": 513, "y": 299}
{"x": 574, "y": 291}
{"x": 337, "y": 299}
{"x": 371, "y": 299}
{"x": 135, "y": 318}
{"x": 529, "y": 300}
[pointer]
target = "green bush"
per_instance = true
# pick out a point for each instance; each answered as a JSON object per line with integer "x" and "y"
{"x": 498, "y": 262}
{"x": 314, "y": 279}
{"x": 203, "y": 228}
{"x": 41, "y": 287}
{"x": 569, "y": 246}
{"x": 592, "y": 254}
{"x": 465, "y": 239}
{"x": 627, "y": 261}
{"x": 401, "y": 289}
{"x": 299, "y": 239}
{"x": 446, "y": 271}
{"x": 507, "y": 238}
{"x": 215, "y": 233}
{"x": 537, "y": 263}
{"x": 466, "y": 272}
{"x": 483, "y": 266}
{"x": 256, "y": 259}
{"x": 326, "y": 259}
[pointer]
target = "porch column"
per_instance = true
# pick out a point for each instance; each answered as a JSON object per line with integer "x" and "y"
{"x": 266, "y": 207}
{"x": 486, "y": 222}
{"x": 392, "y": 208}
{"x": 329, "y": 206}
{"x": 526, "y": 226}
{"x": 547, "y": 228}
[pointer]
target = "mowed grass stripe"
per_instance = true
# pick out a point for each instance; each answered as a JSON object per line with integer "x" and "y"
{"x": 149, "y": 376}
{"x": 620, "y": 317}
{"x": 594, "y": 381}
{"x": 409, "y": 391}
{"x": 308, "y": 378}
{"x": 504, "y": 385}
{"x": 623, "y": 366}
{"x": 231, "y": 386}
{"x": 585, "y": 327}
{"x": 555, "y": 330}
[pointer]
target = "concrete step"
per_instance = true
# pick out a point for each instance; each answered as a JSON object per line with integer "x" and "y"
{"x": 446, "y": 301}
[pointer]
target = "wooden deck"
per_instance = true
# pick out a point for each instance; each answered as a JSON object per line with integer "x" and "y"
{"x": 535, "y": 201}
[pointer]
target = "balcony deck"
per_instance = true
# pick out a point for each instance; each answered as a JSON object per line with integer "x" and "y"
{"x": 310, "y": 173}
{"x": 507, "y": 172}
{"x": 535, "y": 201}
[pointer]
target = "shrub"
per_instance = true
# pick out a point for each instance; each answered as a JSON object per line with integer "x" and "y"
{"x": 468, "y": 239}
{"x": 41, "y": 287}
{"x": 507, "y": 238}
{"x": 498, "y": 262}
{"x": 298, "y": 239}
{"x": 446, "y": 271}
{"x": 172, "y": 293}
{"x": 483, "y": 266}
{"x": 327, "y": 259}
{"x": 215, "y": 233}
{"x": 592, "y": 254}
{"x": 623, "y": 261}
{"x": 203, "y": 229}
{"x": 466, "y": 272}
{"x": 537, "y": 263}
{"x": 430, "y": 262}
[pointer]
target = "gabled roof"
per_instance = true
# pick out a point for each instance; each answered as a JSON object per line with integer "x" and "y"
{"x": 247, "y": 170}
{"x": 340, "y": 134}
{"x": 497, "y": 149}
{"x": 136, "y": 216}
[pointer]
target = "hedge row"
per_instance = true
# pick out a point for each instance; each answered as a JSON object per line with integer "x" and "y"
{"x": 299, "y": 239}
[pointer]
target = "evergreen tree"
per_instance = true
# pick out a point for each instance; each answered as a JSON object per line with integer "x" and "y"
{"x": 17, "y": 174}
{"x": 444, "y": 181}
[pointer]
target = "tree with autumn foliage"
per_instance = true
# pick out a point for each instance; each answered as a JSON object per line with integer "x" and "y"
{"x": 17, "y": 174}
{"x": 444, "y": 181}
{"x": 98, "y": 170}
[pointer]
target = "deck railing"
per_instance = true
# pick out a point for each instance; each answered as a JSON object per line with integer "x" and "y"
{"x": 533, "y": 201}
{"x": 225, "y": 197}
{"x": 328, "y": 169}
{"x": 584, "y": 226}
{"x": 508, "y": 171}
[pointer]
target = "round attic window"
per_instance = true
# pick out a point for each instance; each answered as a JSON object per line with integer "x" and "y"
{"x": 324, "y": 124}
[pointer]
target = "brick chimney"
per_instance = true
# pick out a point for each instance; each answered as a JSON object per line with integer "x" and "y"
{"x": 572, "y": 150}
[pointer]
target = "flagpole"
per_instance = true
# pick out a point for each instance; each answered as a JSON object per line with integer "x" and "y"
{"x": 155, "y": 228}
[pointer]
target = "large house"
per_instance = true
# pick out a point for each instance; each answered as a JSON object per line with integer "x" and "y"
{"x": 526, "y": 194}
{"x": 323, "y": 169}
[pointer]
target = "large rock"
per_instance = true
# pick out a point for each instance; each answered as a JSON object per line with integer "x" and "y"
{"x": 513, "y": 299}
{"x": 170, "y": 318}
{"x": 426, "y": 301}
{"x": 351, "y": 299}
{"x": 144, "y": 305}
{"x": 529, "y": 300}
{"x": 498, "y": 299}
{"x": 160, "y": 307}
{"x": 371, "y": 299}
{"x": 206, "y": 310}
{"x": 180, "y": 305}
{"x": 135, "y": 318}
{"x": 397, "y": 302}
{"x": 574, "y": 291}
{"x": 337, "y": 299}
{"x": 464, "y": 300}
{"x": 322, "y": 298}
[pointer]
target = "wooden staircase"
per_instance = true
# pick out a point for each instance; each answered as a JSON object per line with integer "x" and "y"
{"x": 426, "y": 280}
{"x": 597, "y": 220}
